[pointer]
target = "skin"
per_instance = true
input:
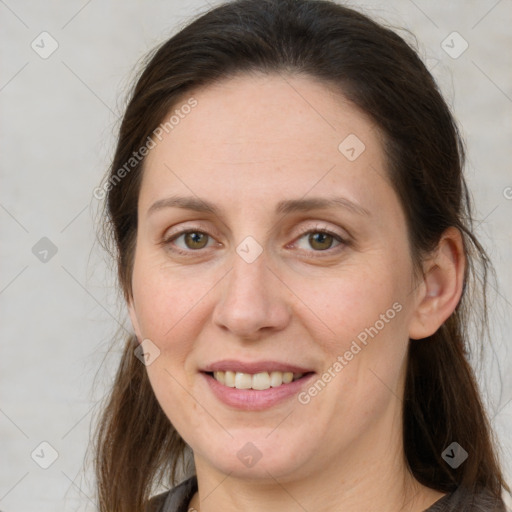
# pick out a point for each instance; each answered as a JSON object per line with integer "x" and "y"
{"x": 251, "y": 142}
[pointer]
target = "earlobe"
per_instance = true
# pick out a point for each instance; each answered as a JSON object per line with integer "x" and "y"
{"x": 442, "y": 285}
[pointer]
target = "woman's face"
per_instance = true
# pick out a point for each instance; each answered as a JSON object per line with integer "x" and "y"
{"x": 296, "y": 265}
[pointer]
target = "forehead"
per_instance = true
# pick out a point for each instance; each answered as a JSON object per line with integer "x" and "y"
{"x": 265, "y": 136}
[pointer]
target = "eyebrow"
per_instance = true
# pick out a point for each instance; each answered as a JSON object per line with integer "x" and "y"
{"x": 283, "y": 207}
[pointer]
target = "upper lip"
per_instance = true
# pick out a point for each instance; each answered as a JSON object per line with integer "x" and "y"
{"x": 254, "y": 367}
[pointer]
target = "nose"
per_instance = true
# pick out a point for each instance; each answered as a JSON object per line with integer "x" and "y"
{"x": 253, "y": 301}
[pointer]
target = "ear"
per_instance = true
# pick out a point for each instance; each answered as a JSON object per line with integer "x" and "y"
{"x": 441, "y": 288}
{"x": 134, "y": 319}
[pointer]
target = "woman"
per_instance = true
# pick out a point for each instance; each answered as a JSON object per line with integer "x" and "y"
{"x": 294, "y": 246}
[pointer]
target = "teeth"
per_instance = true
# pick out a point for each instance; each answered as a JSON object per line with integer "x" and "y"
{"x": 259, "y": 381}
{"x": 276, "y": 379}
{"x": 229, "y": 379}
{"x": 221, "y": 377}
{"x": 243, "y": 381}
{"x": 287, "y": 377}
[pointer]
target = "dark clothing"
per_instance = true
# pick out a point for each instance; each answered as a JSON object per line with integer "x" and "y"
{"x": 178, "y": 498}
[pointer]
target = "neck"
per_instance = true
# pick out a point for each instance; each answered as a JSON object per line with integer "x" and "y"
{"x": 373, "y": 478}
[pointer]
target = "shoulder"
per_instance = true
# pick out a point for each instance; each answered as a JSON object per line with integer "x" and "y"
{"x": 466, "y": 500}
{"x": 174, "y": 500}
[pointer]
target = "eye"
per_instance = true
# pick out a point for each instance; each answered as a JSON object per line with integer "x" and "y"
{"x": 188, "y": 241}
{"x": 192, "y": 240}
{"x": 321, "y": 240}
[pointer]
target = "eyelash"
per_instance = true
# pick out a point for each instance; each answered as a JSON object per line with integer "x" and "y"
{"x": 167, "y": 242}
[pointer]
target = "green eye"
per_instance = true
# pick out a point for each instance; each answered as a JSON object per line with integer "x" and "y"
{"x": 320, "y": 240}
{"x": 316, "y": 241}
{"x": 187, "y": 241}
{"x": 195, "y": 239}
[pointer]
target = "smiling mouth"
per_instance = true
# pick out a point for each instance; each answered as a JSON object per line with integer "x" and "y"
{"x": 258, "y": 381}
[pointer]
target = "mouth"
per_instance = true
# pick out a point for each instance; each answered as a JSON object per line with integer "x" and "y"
{"x": 255, "y": 386}
{"x": 258, "y": 381}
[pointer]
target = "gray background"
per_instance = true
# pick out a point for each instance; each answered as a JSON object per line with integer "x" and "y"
{"x": 59, "y": 117}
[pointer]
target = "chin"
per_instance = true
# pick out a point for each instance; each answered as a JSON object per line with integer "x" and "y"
{"x": 260, "y": 457}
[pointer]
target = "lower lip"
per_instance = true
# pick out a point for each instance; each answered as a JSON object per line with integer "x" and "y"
{"x": 253, "y": 399}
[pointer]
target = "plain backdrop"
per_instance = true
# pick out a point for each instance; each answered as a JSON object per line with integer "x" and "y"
{"x": 59, "y": 114}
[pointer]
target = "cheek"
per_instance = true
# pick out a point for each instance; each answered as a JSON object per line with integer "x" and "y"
{"x": 346, "y": 306}
{"x": 164, "y": 298}
{"x": 168, "y": 306}
{"x": 365, "y": 357}
{"x": 360, "y": 322}
{"x": 173, "y": 392}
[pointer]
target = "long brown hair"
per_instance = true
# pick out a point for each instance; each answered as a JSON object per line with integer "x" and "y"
{"x": 379, "y": 72}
